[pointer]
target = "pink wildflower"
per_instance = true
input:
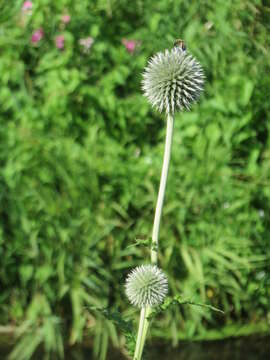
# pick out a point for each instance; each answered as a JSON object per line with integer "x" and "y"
{"x": 86, "y": 43}
{"x": 130, "y": 45}
{"x": 27, "y": 7}
{"x": 65, "y": 18}
{"x": 37, "y": 36}
{"x": 60, "y": 41}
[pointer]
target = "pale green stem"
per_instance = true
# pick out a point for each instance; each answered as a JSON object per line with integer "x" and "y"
{"x": 145, "y": 312}
{"x": 142, "y": 331}
{"x": 162, "y": 187}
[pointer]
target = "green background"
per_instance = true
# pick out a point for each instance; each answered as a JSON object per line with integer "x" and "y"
{"x": 81, "y": 153}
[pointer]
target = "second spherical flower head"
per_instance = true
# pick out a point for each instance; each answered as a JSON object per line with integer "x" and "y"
{"x": 146, "y": 285}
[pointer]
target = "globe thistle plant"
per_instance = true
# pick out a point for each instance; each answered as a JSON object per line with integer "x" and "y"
{"x": 146, "y": 285}
{"x": 173, "y": 80}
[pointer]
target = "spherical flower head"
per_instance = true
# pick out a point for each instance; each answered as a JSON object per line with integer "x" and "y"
{"x": 146, "y": 285}
{"x": 173, "y": 80}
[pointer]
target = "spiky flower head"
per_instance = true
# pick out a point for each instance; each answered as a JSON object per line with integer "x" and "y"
{"x": 146, "y": 285}
{"x": 173, "y": 80}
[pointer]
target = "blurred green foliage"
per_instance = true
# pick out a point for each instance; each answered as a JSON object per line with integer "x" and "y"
{"x": 81, "y": 153}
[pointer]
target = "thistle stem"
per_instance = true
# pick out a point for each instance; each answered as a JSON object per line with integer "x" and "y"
{"x": 162, "y": 188}
{"x": 142, "y": 331}
{"x": 145, "y": 312}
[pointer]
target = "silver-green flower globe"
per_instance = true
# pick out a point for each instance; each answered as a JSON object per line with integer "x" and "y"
{"x": 146, "y": 285}
{"x": 173, "y": 80}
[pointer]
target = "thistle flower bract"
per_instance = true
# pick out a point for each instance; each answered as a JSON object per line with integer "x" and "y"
{"x": 172, "y": 80}
{"x": 146, "y": 285}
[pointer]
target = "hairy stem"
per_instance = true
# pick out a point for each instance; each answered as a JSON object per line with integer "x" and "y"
{"x": 145, "y": 312}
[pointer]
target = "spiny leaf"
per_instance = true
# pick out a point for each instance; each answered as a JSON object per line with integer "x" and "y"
{"x": 141, "y": 241}
{"x": 125, "y": 326}
{"x": 177, "y": 300}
